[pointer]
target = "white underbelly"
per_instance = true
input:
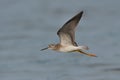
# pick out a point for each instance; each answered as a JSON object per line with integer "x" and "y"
{"x": 68, "y": 48}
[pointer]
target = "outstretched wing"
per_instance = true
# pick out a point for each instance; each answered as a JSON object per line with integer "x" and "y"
{"x": 67, "y": 32}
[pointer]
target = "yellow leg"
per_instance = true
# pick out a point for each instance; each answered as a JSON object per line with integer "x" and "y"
{"x": 88, "y": 54}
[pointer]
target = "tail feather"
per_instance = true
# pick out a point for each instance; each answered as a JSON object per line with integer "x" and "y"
{"x": 84, "y": 47}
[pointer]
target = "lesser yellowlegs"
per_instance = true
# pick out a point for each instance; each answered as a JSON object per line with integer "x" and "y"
{"x": 67, "y": 38}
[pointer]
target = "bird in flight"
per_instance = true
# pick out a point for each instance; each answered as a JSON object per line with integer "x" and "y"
{"x": 67, "y": 38}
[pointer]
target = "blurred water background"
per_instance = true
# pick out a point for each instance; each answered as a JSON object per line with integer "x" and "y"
{"x": 26, "y": 26}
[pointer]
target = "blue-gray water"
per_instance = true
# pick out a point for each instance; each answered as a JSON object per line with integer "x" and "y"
{"x": 26, "y": 26}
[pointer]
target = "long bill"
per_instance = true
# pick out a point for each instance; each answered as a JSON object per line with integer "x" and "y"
{"x": 44, "y": 49}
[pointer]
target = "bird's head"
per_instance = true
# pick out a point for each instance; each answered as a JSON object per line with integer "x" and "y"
{"x": 50, "y": 46}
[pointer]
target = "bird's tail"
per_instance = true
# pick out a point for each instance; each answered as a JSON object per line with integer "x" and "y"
{"x": 88, "y": 54}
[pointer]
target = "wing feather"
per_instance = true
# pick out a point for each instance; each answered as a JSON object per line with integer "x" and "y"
{"x": 67, "y": 32}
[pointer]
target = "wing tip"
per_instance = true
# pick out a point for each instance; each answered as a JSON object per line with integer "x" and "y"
{"x": 77, "y": 17}
{"x": 81, "y": 12}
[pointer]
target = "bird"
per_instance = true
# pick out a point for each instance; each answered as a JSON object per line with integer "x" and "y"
{"x": 67, "y": 38}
